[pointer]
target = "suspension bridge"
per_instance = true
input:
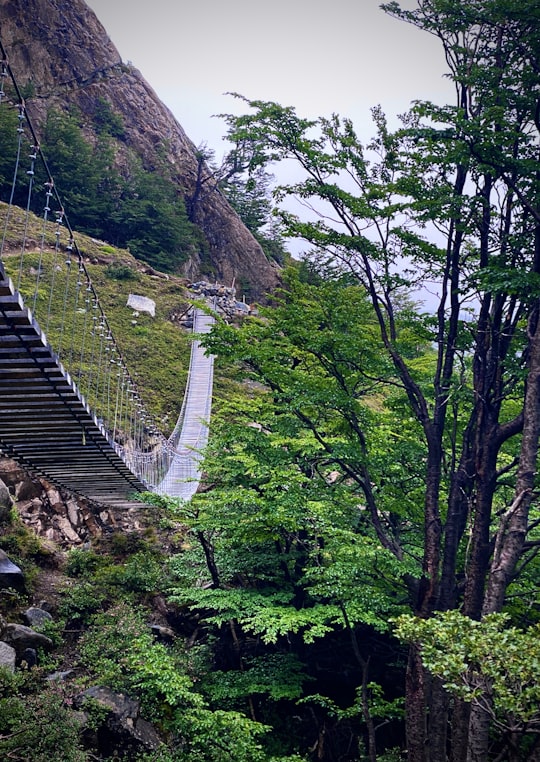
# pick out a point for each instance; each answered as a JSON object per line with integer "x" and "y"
{"x": 69, "y": 409}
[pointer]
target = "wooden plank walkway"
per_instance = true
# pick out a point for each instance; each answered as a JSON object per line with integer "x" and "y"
{"x": 45, "y": 425}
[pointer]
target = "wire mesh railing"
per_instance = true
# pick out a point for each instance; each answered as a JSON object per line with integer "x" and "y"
{"x": 190, "y": 435}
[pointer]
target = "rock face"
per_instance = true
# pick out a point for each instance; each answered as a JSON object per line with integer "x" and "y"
{"x": 63, "y": 50}
{"x": 57, "y": 518}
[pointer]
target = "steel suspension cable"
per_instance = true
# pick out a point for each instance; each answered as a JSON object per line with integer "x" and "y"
{"x": 31, "y": 172}
{"x": 39, "y": 268}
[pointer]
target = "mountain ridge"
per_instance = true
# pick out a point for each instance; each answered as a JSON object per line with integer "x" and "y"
{"x": 61, "y": 53}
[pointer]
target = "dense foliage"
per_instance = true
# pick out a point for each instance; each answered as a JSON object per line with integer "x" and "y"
{"x": 448, "y": 202}
{"x": 128, "y": 206}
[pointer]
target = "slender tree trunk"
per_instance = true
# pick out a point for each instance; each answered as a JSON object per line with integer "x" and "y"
{"x": 454, "y": 528}
{"x": 480, "y": 550}
{"x": 415, "y": 682}
{"x": 210, "y": 559}
{"x": 368, "y": 719}
{"x": 364, "y": 698}
{"x": 460, "y": 730}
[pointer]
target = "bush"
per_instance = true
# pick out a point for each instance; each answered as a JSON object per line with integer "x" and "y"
{"x": 120, "y": 271}
{"x": 21, "y": 543}
{"x": 39, "y": 728}
{"x": 120, "y": 650}
{"x": 143, "y": 574}
{"x": 82, "y": 563}
{"x": 81, "y": 601}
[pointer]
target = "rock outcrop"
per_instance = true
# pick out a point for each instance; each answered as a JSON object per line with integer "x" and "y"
{"x": 122, "y": 727}
{"x": 63, "y": 51}
{"x": 20, "y": 637}
{"x": 8, "y": 657}
{"x": 57, "y": 518}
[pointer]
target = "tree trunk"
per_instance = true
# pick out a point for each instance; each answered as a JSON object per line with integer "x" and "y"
{"x": 455, "y": 525}
{"x": 513, "y": 527}
{"x": 364, "y": 697}
{"x": 415, "y": 724}
{"x": 478, "y": 735}
{"x": 210, "y": 558}
{"x": 415, "y": 682}
{"x": 460, "y": 730}
{"x": 438, "y": 722}
{"x": 486, "y": 472}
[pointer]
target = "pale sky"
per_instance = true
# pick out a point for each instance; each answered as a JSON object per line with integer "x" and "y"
{"x": 321, "y": 56}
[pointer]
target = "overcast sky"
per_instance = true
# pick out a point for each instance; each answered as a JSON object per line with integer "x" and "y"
{"x": 321, "y": 56}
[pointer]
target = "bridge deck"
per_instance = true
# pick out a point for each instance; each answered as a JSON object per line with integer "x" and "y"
{"x": 44, "y": 423}
{"x": 184, "y": 474}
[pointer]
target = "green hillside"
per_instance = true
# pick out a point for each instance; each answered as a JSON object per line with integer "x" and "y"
{"x": 156, "y": 349}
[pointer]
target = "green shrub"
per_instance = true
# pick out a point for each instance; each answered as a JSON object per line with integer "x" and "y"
{"x": 21, "y": 543}
{"x": 120, "y": 271}
{"x": 82, "y": 600}
{"x": 125, "y": 543}
{"x": 120, "y": 650}
{"x": 53, "y": 629}
{"x": 82, "y": 563}
{"x": 143, "y": 574}
{"x": 104, "y": 645}
{"x": 39, "y": 728}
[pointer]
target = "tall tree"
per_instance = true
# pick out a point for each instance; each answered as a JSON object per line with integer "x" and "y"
{"x": 450, "y": 200}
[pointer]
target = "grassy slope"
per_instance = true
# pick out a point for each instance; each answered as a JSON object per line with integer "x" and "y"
{"x": 156, "y": 350}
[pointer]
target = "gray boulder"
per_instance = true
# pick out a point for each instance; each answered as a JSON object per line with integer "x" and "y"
{"x": 7, "y": 656}
{"x": 123, "y": 729}
{"x": 6, "y": 503}
{"x": 10, "y": 574}
{"x": 119, "y": 704}
{"x": 163, "y": 634}
{"x": 20, "y": 638}
{"x": 36, "y": 617}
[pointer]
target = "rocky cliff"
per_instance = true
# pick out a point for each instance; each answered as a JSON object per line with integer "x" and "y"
{"x": 61, "y": 48}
